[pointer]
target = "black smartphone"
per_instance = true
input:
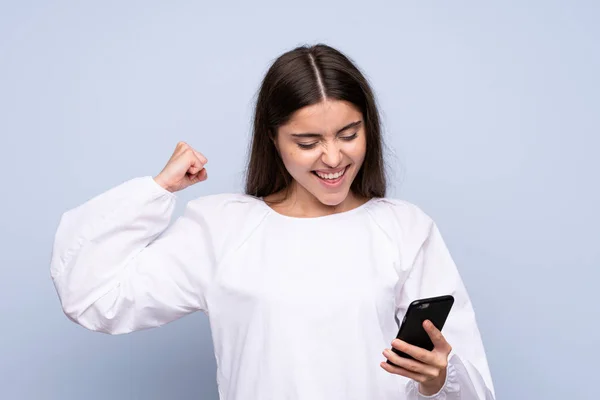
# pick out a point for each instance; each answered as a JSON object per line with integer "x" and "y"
{"x": 434, "y": 309}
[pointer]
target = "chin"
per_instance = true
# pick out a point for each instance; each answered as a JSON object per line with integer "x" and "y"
{"x": 332, "y": 199}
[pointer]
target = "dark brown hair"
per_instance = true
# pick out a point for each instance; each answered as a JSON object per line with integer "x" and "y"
{"x": 302, "y": 77}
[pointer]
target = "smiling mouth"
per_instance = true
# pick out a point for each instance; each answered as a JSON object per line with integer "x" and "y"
{"x": 331, "y": 177}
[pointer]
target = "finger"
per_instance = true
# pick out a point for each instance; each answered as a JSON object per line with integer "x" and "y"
{"x": 438, "y": 340}
{"x": 201, "y": 157}
{"x": 416, "y": 352}
{"x": 195, "y": 168}
{"x": 411, "y": 365}
{"x": 199, "y": 177}
{"x": 180, "y": 148}
{"x": 196, "y": 164}
{"x": 403, "y": 372}
{"x": 179, "y": 152}
{"x": 202, "y": 175}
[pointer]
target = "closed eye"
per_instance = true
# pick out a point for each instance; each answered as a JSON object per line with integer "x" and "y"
{"x": 351, "y": 137}
{"x": 306, "y": 146}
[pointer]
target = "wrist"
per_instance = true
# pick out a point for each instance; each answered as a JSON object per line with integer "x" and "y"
{"x": 434, "y": 386}
{"x": 160, "y": 182}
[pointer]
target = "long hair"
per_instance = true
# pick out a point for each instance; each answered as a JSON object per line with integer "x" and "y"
{"x": 301, "y": 77}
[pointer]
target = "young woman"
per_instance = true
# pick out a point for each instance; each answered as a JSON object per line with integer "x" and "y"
{"x": 304, "y": 277}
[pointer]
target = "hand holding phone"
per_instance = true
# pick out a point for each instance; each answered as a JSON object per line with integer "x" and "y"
{"x": 434, "y": 309}
{"x": 428, "y": 348}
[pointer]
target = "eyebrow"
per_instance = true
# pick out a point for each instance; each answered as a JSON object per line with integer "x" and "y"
{"x": 313, "y": 135}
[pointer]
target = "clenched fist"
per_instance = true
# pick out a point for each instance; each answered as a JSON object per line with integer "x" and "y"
{"x": 184, "y": 168}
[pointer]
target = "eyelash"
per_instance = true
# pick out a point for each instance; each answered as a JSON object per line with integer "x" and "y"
{"x": 312, "y": 145}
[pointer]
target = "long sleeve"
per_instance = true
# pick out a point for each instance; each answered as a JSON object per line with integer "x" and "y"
{"x": 434, "y": 273}
{"x": 118, "y": 265}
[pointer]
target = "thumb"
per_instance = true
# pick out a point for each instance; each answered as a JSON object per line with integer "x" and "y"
{"x": 200, "y": 176}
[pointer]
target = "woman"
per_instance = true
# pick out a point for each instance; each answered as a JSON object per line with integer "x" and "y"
{"x": 304, "y": 277}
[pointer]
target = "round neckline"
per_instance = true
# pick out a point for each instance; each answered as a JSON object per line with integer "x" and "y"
{"x": 342, "y": 214}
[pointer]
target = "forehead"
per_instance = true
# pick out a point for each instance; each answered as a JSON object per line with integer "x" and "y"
{"x": 326, "y": 117}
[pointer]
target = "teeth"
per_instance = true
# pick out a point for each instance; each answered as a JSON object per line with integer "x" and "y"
{"x": 331, "y": 176}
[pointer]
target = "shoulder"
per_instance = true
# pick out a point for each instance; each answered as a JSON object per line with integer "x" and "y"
{"x": 400, "y": 211}
{"x": 227, "y": 206}
{"x": 226, "y": 200}
{"x": 401, "y": 219}
{"x": 407, "y": 227}
{"x": 229, "y": 219}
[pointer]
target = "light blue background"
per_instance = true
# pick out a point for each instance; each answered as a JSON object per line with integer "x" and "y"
{"x": 491, "y": 110}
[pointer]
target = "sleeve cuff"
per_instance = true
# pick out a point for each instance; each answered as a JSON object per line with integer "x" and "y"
{"x": 156, "y": 187}
{"x": 449, "y": 391}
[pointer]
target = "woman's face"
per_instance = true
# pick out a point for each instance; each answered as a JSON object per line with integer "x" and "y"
{"x": 323, "y": 147}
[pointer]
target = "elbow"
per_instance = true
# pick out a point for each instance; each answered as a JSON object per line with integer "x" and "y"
{"x": 74, "y": 314}
{"x": 91, "y": 315}
{"x": 92, "y": 320}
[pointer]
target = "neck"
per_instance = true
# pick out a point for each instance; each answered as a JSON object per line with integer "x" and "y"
{"x": 298, "y": 202}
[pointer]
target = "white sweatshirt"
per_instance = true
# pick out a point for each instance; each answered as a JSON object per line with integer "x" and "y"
{"x": 299, "y": 308}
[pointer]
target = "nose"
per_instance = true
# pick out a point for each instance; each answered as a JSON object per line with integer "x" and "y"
{"x": 332, "y": 156}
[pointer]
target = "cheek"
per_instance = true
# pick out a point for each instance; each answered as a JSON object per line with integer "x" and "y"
{"x": 296, "y": 160}
{"x": 295, "y": 156}
{"x": 357, "y": 150}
